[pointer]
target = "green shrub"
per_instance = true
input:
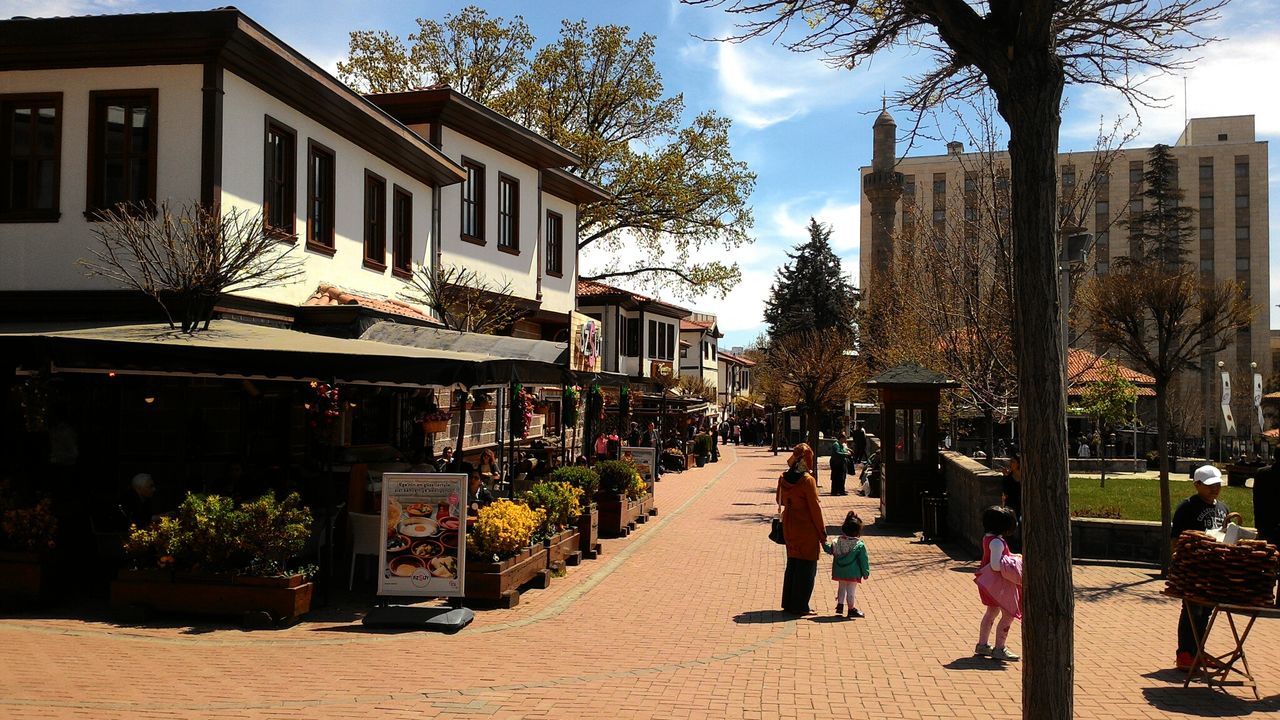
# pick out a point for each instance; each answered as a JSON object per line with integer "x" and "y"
{"x": 636, "y": 487}
{"x": 615, "y": 476}
{"x": 585, "y": 478}
{"x": 702, "y": 444}
{"x": 561, "y": 502}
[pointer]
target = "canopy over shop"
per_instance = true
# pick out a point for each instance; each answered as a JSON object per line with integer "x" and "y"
{"x": 239, "y": 408}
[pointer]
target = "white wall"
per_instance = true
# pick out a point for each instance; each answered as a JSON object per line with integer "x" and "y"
{"x": 499, "y": 267}
{"x": 245, "y": 108}
{"x": 558, "y": 293}
{"x": 42, "y": 256}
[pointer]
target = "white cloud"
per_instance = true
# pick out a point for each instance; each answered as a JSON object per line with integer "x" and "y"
{"x": 63, "y": 8}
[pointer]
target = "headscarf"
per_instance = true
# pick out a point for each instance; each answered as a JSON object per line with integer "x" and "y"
{"x": 802, "y": 452}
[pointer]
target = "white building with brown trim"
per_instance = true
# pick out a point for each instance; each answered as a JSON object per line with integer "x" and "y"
{"x": 640, "y": 335}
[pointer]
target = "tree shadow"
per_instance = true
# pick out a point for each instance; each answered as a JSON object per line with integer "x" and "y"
{"x": 975, "y": 662}
{"x": 828, "y": 619}
{"x": 747, "y": 517}
{"x": 1107, "y": 591}
{"x": 763, "y": 617}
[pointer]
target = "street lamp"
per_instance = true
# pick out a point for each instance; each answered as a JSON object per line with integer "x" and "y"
{"x": 1075, "y": 250}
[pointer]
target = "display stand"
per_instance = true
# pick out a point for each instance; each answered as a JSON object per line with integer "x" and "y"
{"x": 1218, "y": 669}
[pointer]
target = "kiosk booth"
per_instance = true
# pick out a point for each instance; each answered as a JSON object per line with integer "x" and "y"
{"x": 909, "y": 399}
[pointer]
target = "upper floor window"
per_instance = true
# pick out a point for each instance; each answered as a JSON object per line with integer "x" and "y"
{"x": 279, "y": 206}
{"x": 402, "y": 232}
{"x": 473, "y": 202}
{"x": 555, "y": 244}
{"x": 375, "y": 221}
{"x": 632, "y": 344}
{"x": 508, "y": 213}
{"x": 30, "y": 154}
{"x": 122, "y": 149}
{"x": 320, "y": 197}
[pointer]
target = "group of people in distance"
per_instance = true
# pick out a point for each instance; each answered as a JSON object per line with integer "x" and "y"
{"x": 999, "y": 577}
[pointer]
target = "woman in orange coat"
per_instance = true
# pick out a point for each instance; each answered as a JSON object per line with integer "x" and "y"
{"x": 803, "y": 528}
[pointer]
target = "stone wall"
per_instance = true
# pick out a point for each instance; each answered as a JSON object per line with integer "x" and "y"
{"x": 1102, "y": 539}
{"x": 1094, "y": 465}
{"x": 971, "y": 488}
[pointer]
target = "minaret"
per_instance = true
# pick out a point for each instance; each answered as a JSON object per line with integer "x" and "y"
{"x": 883, "y": 188}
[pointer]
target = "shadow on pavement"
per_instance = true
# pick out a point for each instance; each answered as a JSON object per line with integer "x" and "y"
{"x": 1106, "y": 592}
{"x": 975, "y": 662}
{"x": 762, "y": 617}
{"x": 1209, "y": 702}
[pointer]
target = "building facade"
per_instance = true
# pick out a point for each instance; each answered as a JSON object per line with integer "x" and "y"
{"x": 640, "y": 335}
{"x": 699, "y": 353}
{"x": 1222, "y": 171}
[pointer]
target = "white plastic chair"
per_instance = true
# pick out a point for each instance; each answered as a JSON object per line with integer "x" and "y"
{"x": 367, "y": 536}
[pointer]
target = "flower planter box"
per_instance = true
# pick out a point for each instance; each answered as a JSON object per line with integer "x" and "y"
{"x": 617, "y": 516}
{"x": 589, "y": 532}
{"x": 435, "y": 426}
{"x": 648, "y": 507}
{"x": 283, "y": 599}
{"x": 500, "y": 582}
{"x": 563, "y": 549}
{"x": 22, "y": 576}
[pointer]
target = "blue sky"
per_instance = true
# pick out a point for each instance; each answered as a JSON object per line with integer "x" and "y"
{"x": 803, "y": 127}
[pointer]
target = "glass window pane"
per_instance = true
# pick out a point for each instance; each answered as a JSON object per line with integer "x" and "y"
{"x": 115, "y": 130}
{"x": 20, "y": 143}
{"x": 45, "y": 175}
{"x": 900, "y": 435}
{"x": 113, "y": 189}
{"x": 46, "y": 132}
{"x": 138, "y": 190}
{"x": 917, "y": 435}
{"x": 19, "y": 179}
{"x": 140, "y": 127}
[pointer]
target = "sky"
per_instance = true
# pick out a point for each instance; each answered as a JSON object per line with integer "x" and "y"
{"x": 803, "y": 127}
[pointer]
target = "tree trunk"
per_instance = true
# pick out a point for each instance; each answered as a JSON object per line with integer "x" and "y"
{"x": 1162, "y": 452}
{"x": 1030, "y": 105}
{"x": 1102, "y": 453}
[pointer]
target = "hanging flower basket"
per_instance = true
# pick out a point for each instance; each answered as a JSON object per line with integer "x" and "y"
{"x": 435, "y": 421}
{"x": 572, "y": 405}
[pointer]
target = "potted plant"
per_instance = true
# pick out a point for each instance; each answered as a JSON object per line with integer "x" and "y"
{"x": 502, "y": 555}
{"x": 219, "y": 557}
{"x": 481, "y": 400}
{"x": 26, "y": 537}
{"x": 436, "y": 421}
{"x": 561, "y": 504}
{"x": 588, "y": 481}
{"x": 702, "y": 448}
{"x": 621, "y": 491}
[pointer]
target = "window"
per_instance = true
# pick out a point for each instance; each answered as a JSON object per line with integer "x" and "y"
{"x": 1102, "y": 238}
{"x": 473, "y": 202}
{"x": 939, "y": 216}
{"x": 279, "y": 179}
{"x": 401, "y": 232}
{"x": 1135, "y": 206}
{"x": 632, "y": 348}
{"x": 555, "y": 244}
{"x": 909, "y": 188}
{"x": 1242, "y": 169}
{"x": 1242, "y": 264}
{"x": 1206, "y": 202}
{"x": 1102, "y": 267}
{"x": 1222, "y": 137}
{"x": 375, "y": 221}
{"x": 1101, "y": 207}
{"x": 653, "y": 338}
{"x": 1206, "y": 233}
{"x": 671, "y": 342}
{"x": 1242, "y": 201}
{"x": 30, "y": 156}
{"x": 1206, "y": 171}
{"x": 684, "y": 352}
{"x": 970, "y": 183}
{"x": 320, "y": 199}
{"x": 122, "y": 149}
{"x": 1206, "y": 265}
{"x": 939, "y": 186}
{"x": 508, "y": 213}
{"x": 1068, "y": 177}
{"x": 1242, "y": 232}
{"x": 1135, "y": 173}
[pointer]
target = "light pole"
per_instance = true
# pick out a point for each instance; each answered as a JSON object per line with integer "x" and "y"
{"x": 1075, "y": 249}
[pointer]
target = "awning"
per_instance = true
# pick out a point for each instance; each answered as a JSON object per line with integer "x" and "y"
{"x": 238, "y": 350}
{"x": 540, "y": 360}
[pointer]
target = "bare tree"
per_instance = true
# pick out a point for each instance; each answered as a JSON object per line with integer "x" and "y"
{"x": 465, "y": 300}
{"x": 814, "y": 367}
{"x": 1023, "y": 52}
{"x": 186, "y": 260}
{"x": 697, "y": 386}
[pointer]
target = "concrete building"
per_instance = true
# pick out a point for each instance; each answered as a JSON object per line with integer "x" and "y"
{"x": 1222, "y": 170}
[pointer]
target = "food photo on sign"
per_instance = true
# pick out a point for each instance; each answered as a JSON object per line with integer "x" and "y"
{"x": 423, "y": 554}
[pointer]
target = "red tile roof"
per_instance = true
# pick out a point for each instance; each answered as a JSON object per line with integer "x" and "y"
{"x": 736, "y": 359}
{"x": 594, "y": 288}
{"x": 693, "y": 325}
{"x": 333, "y": 295}
{"x": 1083, "y": 367}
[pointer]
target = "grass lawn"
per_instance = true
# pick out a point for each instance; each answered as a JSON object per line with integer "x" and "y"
{"x": 1139, "y": 498}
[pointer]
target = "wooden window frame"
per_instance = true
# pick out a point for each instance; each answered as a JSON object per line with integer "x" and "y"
{"x": 99, "y": 100}
{"x": 288, "y": 230}
{"x": 555, "y": 252}
{"x": 324, "y": 245}
{"x": 477, "y": 202}
{"x": 512, "y": 214}
{"x": 375, "y": 224}
{"x": 401, "y": 233}
{"x": 37, "y": 101}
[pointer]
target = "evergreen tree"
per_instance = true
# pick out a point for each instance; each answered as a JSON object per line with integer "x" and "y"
{"x": 1161, "y": 231}
{"x": 811, "y": 291}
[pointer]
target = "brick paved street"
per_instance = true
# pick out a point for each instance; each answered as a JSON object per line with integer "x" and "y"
{"x": 676, "y": 621}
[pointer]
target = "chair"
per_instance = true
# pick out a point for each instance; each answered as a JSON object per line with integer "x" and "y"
{"x": 367, "y": 536}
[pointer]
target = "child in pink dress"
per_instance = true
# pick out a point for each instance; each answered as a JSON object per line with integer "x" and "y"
{"x": 999, "y": 583}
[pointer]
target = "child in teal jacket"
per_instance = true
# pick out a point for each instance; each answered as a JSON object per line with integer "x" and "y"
{"x": 849, "y": 566}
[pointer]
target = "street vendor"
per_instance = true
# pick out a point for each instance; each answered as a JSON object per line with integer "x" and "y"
{"x": 1202, "y": 511}
{"x": 1266, "y": 499}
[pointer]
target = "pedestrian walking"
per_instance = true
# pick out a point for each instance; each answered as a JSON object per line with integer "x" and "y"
{"x": 849, "y": 564}
{"x": 839, "y": 465}
{"x": 803, "y": 529}
{"x": 1001, "y": 595}
{"x": 859, "y": 442}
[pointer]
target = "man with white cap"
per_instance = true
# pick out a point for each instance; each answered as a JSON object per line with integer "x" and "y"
{"x": 1202, "y": 511}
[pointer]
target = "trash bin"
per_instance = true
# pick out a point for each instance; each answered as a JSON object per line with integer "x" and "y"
{"x": 933, "y": 512}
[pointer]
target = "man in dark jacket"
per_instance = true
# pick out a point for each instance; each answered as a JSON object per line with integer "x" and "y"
{"x": 1202, "y": 511}
{"x": 859, "y": 441}
{"x": 1266, "y": 500}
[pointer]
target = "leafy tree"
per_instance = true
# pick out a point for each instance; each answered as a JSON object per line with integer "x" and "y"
{"x": 1162, "y": 229}
{"x": 1108, "y": 401}
{"x": 811, "y": 292}
{"x": 1023, "y": 53}
{"x": 679, "y": 198}
{"x": 812, "y": 367}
